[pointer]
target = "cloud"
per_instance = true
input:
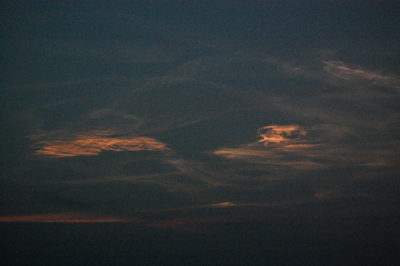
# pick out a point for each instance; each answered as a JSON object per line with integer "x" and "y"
{"x": 277, "y": 144}
{"x": 283, "y": 146}
{"x": 223, "y": 204}
{"x": 340, "y": 70}
{"x": 92, "y": 145}
{"x": 61, "y": 218}
{"x": 280, "y": 134}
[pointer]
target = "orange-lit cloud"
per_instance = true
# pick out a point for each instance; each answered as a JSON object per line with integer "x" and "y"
{"x": 287, "y": 146}
{"x": 93, "y": 145}
{"x": 60, "y": 218}
{"x": 280, "y": 145}
{"x": 280, "y": 134}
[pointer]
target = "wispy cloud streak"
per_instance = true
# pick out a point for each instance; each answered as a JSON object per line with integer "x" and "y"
{"x": 340, "y": 70}
{"x": 60, "y": 218}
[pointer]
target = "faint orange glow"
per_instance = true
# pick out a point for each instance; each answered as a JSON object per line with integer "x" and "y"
{"x": 59, "y": 218}
{"x": 239, "y": 153}
{"x": 223, "y": 204}
{"x": 93, "y": 145}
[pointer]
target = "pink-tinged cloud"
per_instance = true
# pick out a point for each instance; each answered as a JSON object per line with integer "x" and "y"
{"x": 93, "y": 145}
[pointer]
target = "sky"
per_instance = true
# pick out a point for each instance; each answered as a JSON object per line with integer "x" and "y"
{"x": 270, "y": 123}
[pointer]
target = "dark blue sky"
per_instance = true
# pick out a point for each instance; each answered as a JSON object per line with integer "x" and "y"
{"x": 251, "y": 132}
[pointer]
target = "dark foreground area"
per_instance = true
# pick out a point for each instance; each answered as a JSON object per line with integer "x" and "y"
{"x": 270, "y": 237}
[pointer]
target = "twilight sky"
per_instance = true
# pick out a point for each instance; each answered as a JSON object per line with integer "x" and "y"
{"x": 180, "y": 114}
